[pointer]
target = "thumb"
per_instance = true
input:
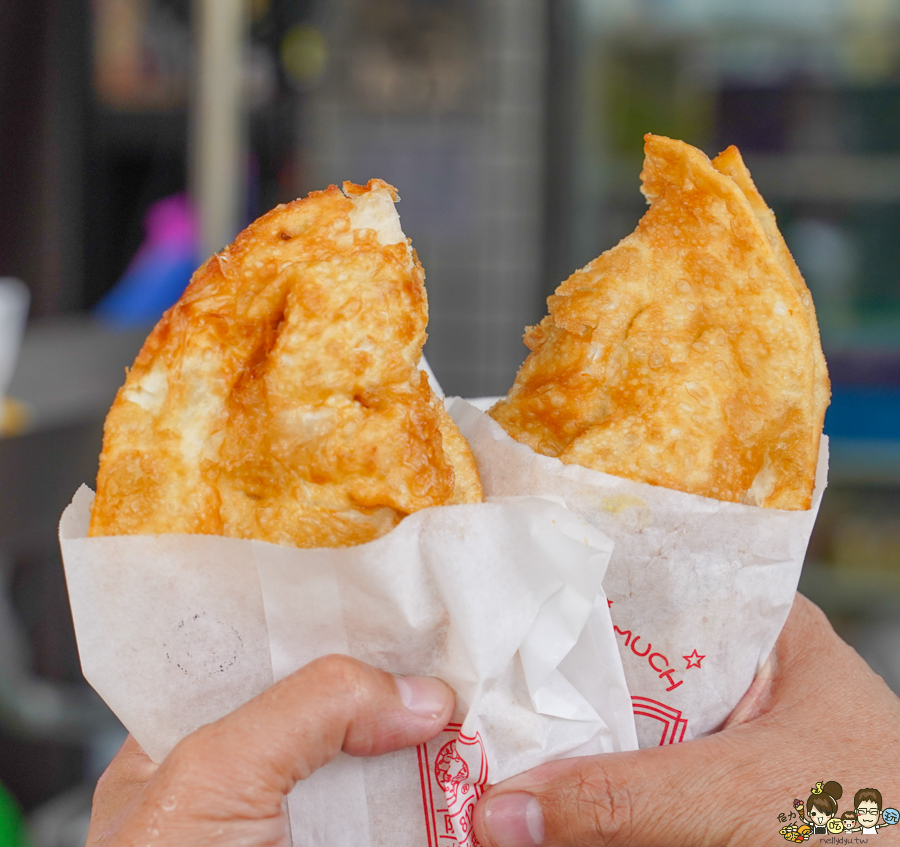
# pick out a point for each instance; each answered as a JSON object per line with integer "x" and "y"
{"x": 646, "y": 798}
{"x": 258, "y": 752}
{"x": 664, "y": 796}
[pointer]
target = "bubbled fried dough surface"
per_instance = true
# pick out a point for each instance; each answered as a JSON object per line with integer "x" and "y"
{"x": 280, "y": 398}
{"x": 687, "y": 356}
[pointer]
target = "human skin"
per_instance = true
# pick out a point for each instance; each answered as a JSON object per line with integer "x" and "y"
{"x": 225, "y": 784}
{"x": 800, "y": 722}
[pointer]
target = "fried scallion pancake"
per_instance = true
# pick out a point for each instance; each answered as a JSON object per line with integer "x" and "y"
{"x": 688, "y": 355}
{"x": 280, "y": 399}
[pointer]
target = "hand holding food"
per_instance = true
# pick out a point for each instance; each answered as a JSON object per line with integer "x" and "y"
{"x": 226, "y": 783}
{"x": 728, "y": 787}
{"x": 281, "y": 400}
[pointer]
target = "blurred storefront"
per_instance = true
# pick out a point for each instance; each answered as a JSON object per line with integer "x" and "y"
{"x": 447, "y": 101}
{"x": 512, "y": 130}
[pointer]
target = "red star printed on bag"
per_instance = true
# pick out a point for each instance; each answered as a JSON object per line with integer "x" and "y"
{"x": 693, "y": 661}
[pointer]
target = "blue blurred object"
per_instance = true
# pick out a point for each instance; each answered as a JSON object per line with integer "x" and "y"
{"x": 869, "y": 412}
{"x": 159, "y": 271}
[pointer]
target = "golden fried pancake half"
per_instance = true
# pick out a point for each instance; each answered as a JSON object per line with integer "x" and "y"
{"x": 280, "y": 399}
{"x": 688, "y": 355}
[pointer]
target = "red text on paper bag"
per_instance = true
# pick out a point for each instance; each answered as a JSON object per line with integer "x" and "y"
{"x": 453, "y": 772}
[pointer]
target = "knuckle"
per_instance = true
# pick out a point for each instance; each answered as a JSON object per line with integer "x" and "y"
{"x": 817, "y": 615}
{"x": 810, "y": 615}
{"x": 199, "y": 761}
{"x": 344, "y": 679}
{"x": 593, "y": 808}
{"x": 192, "y": 751}
{"x": 186, "y": 750}
{"x": 340, "y": 672}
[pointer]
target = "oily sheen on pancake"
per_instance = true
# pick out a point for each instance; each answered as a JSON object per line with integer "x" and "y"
{"x": 280, "y": 399}
{"x": 688, "y": 355}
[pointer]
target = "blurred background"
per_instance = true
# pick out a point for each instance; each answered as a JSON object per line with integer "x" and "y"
{"x": 138, "y": 136}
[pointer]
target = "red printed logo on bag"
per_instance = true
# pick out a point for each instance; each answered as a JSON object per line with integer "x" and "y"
{"x": 453, "y": 773}
{"x": 674, "y": 725}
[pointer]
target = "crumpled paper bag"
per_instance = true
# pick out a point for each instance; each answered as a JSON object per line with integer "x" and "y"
{"x": 699, "y": 589}
{"x": 502, "y": 600}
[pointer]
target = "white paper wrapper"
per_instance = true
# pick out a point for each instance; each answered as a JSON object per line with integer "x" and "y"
{"x": 699, "y": 588}
{"x": 503, "y": 600}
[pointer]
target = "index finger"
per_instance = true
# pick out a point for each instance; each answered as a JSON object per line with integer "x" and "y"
{"x": 299, "y": 724}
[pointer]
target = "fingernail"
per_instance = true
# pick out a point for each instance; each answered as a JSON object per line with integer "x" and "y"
{"x": 422, "y": 695}
{"x": 514, "y": 820}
